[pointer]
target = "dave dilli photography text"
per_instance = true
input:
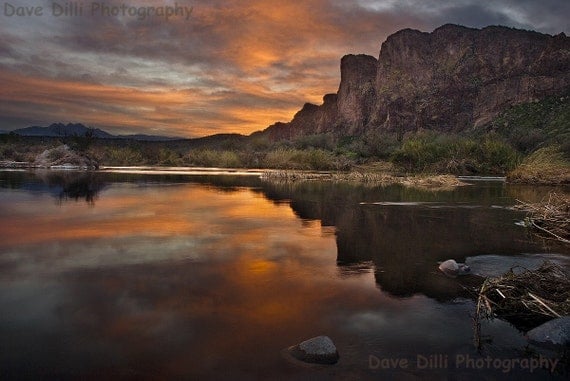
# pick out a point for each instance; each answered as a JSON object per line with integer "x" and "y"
{"x": 98, "y": 9}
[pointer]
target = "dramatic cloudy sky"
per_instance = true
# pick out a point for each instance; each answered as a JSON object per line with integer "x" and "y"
{"x": 233, "y": 66}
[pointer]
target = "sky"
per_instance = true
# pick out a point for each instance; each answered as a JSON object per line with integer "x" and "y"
{"x": 219, "y": 66}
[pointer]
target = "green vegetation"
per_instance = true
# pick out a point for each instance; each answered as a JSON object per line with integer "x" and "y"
{"x": 530, "y": 126}
{"x": 529, "y": 142}
{"x": 437, "y": 153}
{"x": 292, "y": 158}
{"x": 122, "y": 156}
{"x": 214, "y": 158}
{"x": 547, "y": 165}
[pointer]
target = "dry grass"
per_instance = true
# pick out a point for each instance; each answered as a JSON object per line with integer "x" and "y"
{"x": 549, "y": 218}
{"x": 372, "y": 178}
{"x": 545, "y": 166}
{"x": 527, "y": 298}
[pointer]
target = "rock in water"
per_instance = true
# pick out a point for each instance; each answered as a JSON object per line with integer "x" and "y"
{"x": 318, "y": 350}
{"x": 552, "y": 333}
{"x": 453, "y": 269}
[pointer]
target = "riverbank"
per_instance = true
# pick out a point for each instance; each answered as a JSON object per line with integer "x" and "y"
{"x": 546, "y": 166}
{"x": 373, "y": 178}
{"x": 358, "y": 176}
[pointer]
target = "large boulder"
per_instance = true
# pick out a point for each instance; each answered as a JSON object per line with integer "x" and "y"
{"x": 318, "y": 350}
{"x": 552, "y": 333}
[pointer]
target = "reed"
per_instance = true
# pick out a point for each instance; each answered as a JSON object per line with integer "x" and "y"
{"x": 526, "y": 298}
{"x": 439, "y": 182}
{"x": 549, "y": 218}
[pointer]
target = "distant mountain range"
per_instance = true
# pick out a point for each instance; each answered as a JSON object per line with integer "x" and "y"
{"x": 60, "y": 130}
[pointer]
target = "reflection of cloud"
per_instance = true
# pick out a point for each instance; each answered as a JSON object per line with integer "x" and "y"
{"x": 235, "y": 66}
{"x": 180, "y": 223}
{"x": 397, "y": 324}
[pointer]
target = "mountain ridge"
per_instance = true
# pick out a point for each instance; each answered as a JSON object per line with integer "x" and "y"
{"x": 61, "y": 130}
{"x": 452, "y": 79}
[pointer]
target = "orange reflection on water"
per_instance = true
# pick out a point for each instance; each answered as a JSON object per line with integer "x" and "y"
{"x": 254, "y": 285}
{"x": 167, "y": 211}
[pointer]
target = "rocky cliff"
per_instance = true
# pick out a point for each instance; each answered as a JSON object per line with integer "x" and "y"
{"x": 451, "y": 79}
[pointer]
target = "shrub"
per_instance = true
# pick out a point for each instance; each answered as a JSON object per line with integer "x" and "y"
{"x": 169, "y": 157}
{"x": 323, "y": 141}
{"x": 547, "y": 165}
{"x": 213, "y": 158}
{"x": 418, "y": 153}
{"x": 123, "y": 156}
{"x": 429, "y": 152}
{"x": 279, "y": 158}
{"x": 532, "y": 125}
{"x": 498, "y": 156}
{"x": 291, "y": 158}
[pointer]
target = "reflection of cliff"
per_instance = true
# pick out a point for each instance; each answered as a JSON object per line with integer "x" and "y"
{"x": 405, "y": 242}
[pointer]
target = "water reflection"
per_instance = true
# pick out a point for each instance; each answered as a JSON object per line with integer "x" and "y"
{"x": 404, "y": 232}
{"x": 63, "y": 185}
{"x": 211, "y": 276}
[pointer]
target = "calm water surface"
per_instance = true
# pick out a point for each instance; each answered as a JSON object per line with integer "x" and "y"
{"x": 157, "y": 276}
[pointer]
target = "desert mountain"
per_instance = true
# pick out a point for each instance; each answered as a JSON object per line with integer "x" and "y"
{"x": 59, "y": 130}
{"x": 452, "y": 79}
{"x": 62, "y": 130}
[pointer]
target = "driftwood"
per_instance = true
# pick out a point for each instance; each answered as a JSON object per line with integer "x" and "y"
{"x": 526, "y": 298}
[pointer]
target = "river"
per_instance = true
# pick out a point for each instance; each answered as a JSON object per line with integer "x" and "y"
{"x": 138, "y": 274}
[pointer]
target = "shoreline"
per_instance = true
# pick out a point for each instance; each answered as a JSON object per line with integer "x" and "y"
{"x": 441, "y": 181}
{"x": 438, "y": 181}
{"x": 358, "y": 175}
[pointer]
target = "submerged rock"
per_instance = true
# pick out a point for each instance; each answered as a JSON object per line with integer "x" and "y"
{"x": 552, "y": 333}
{"x": 318, "y": 350}
{"x": 453, "y": 269}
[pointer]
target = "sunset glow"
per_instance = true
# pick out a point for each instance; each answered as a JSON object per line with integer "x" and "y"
{"x": 230, "y": 66}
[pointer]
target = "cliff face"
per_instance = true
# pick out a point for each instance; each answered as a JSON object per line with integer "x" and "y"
{"x": 310, "y": 120}
{"x": 449, "y": 80}
{"x": 356, "y": 93}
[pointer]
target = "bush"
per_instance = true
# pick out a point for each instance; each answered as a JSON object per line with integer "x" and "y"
{"x": 169, "y": 157}
{"x": 532, "y": 125}
{"x": 280, "y": 158}
{"x": 439, "y": 153}
{"x": 213, "y": 158}
{"x": 498, "y": 156}
{"x": 419, "y": 153}
{"x": 547, "y": 165}
{"x": 291, "y": 158}
{"x": 322, "y": 141}
{"x": 123, "y": 156}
